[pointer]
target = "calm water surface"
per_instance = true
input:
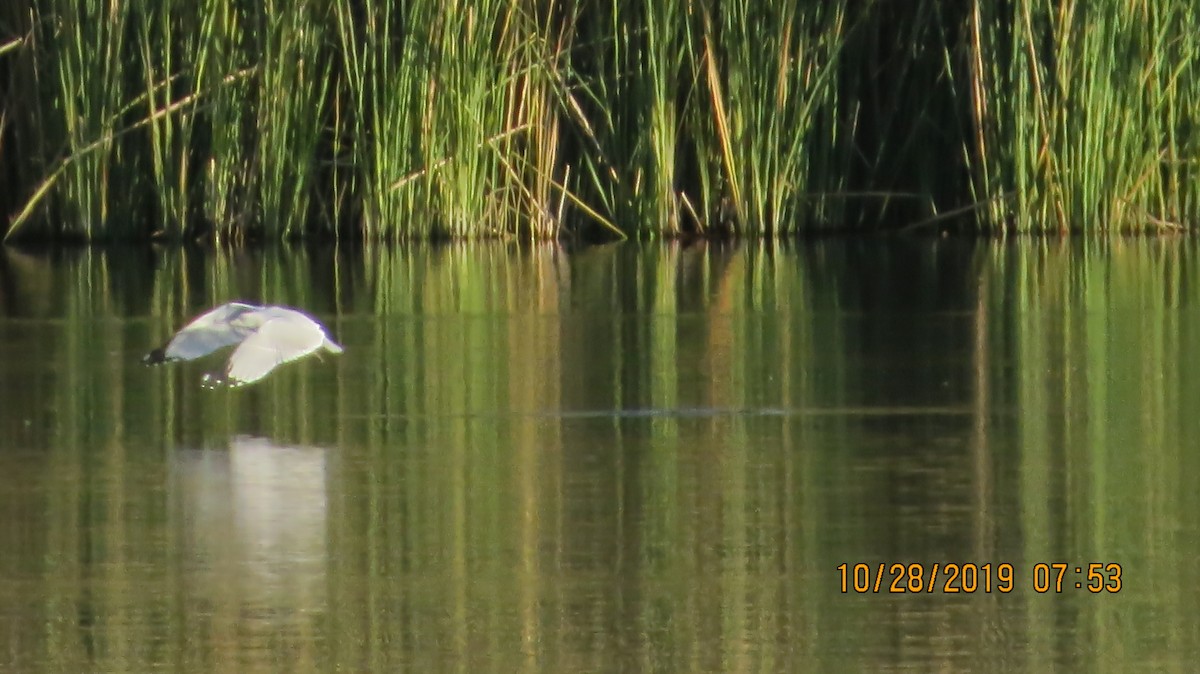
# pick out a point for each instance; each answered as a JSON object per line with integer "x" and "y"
{"x": 618, "y": 459}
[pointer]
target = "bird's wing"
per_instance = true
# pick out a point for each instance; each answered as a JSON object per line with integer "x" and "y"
{"x": 277, "y": 341}
{"x": 295, "y": 317}
{"x": 223, "y": 326}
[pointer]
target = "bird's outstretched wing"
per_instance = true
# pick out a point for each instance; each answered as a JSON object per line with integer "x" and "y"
{"x": 223, "y": 326}
{"x": 275, "y": 342}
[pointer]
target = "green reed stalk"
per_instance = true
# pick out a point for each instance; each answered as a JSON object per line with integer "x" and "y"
{"x": 376, "y": 120}
{"x": 167, "y": 134}
{"x": 534, "y": 45}
{"x": 224, "y": 80}
{"x": 460, "y": 114}
{"x": 451, "y": 123}
{"x": 180, "y": 46}
{"x": 766, "y": 71}
{"x": 1085, "y": 117}
{"x": 661, "y": 66}
{"x": 292, "y": 87}
{"x": 622, "y": 98}
{"x": 84, "y": 63}
{"x": 518, "y": 119}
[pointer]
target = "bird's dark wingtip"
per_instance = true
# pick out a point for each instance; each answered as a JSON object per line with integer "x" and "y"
{"x": 155, "y": 357}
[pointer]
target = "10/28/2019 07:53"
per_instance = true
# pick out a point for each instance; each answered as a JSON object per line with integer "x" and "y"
{"x": 970, "y": 577}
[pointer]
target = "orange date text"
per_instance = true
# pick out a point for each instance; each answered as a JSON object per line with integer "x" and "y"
{"x": 949, "y": 578}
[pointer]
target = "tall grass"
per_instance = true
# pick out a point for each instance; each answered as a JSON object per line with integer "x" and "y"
{"x": 621, "y": 97}
{"x": 768, "y": 71}
{"x": 1088, "y": 120}
{"x": 86, "y": 95}
{"x": 508, "y": 118}
{"x": 290, "y": 112}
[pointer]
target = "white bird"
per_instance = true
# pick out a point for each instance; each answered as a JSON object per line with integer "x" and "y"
{"x": 266, "y": 337}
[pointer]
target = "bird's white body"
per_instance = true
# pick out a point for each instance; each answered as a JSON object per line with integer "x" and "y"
{"x": 267, "y": 336}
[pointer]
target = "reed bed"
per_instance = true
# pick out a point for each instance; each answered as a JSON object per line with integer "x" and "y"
{"x": 376, "y": 120}
{"x": 1088, "y": 121}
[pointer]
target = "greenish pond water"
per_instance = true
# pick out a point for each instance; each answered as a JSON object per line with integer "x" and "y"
{"x": 644, "y": 459}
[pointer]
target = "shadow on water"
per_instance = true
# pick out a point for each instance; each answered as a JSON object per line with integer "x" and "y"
{"x": 621, "y": 458}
